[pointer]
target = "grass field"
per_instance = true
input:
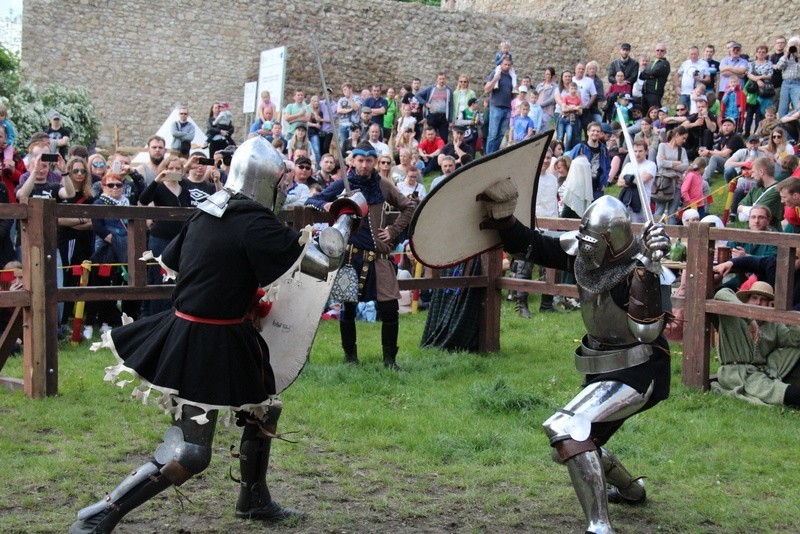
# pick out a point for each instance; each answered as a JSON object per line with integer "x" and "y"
{"x": 453, "y": 443}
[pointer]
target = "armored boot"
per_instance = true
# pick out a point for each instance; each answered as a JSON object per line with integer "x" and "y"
{"x": 101, "y": 517}
{"x": 623, "y": 487}
{"x": 586, "y": 474}
{"x": 255, "y": 501}
{"x": 348, "y": 332}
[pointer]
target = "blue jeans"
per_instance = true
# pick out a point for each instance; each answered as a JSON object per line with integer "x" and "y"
{"x": 790, "y": 92}
{"x": 315, "y": 147}
{"x": 498, "y": 126}
{"x": 344, "y": 132}
{"x": 569, "y": 127}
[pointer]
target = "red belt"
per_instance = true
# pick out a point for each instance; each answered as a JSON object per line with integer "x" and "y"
{"x": 204, "y": 320}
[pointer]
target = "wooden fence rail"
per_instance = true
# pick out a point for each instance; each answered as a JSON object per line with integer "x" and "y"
{"x": 40, "y": 296}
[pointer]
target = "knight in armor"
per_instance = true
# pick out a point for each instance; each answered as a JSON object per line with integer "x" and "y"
{"x": 624, "y": 356}
{"x": 205, "y": 356}
{"x": 369, "y": 250}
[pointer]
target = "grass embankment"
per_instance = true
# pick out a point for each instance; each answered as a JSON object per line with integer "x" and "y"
{"x": 451, "y": 443}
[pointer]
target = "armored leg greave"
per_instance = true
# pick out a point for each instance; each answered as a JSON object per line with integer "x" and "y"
{"x": 255, "y": 501}
{"x": 590, "y": 487}
{"x": 625, "y": 489}
{"x": 186, "y": 451}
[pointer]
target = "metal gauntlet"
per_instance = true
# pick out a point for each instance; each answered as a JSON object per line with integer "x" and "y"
{"x": 325, "y": 254}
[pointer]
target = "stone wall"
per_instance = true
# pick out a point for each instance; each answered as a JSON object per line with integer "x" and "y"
{"x": 678, "y": 23}
{"x": 140, "y": 57}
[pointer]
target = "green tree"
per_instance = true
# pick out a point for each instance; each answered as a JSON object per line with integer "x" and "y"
{"x": 30, "y": 105}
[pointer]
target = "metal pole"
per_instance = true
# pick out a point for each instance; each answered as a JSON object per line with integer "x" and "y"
{"x": 334, "y": 121}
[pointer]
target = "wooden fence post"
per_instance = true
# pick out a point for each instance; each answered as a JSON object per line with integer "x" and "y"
{"x": 699, "y": 286}
{"x": 489, "y": 333}
{"x": 40, "y": 336}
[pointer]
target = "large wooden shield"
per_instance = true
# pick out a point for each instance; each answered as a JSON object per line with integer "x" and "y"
{"x": 445, "y": 228}
{"x": 291, "y": 325}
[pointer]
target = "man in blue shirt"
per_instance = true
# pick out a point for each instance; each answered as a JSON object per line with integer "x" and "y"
{"x": 500, "y": 87}
{"x": 597, "y": 154}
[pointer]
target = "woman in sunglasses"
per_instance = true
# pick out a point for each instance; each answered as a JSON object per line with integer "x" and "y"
{"x": 778, "y": 146}
{"x": 111, "y": 249}
{"x": 97, "y": 167}
{"x": 74, "y": 233}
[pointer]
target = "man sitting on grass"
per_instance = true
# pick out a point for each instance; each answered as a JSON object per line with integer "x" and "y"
{"x": 759, "y": 358}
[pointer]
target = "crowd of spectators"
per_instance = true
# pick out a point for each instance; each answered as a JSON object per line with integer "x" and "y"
{"x": 739, "y": 116}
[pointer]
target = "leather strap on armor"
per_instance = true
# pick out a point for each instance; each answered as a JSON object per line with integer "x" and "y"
{"x": 590, "y": 361}
{"x": 569, "y": 448}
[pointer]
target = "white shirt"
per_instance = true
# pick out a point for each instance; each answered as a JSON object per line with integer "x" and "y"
{"x": 547, "y": 196}
{"x": 406, "y": 189}
{"x": 687, "y": 70}
{"x": 645, "y": 167}
{"x": 586, "y": 88}
{"x": 381, "y": 148}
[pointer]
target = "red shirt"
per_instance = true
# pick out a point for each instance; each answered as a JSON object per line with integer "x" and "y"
{"x": 429, "y": 147}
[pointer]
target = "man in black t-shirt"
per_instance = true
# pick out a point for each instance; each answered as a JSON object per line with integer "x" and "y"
{"x": 726, "y": 145}
{"x": 59, "y": 134}
{"x": 701, "y": 126}
{"x": 713, "y": 68}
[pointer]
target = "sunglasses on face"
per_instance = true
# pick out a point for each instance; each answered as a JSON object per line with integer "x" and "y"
{"x": 98, "y": 164}
{"x": 78, "y": 171}
{"x": 386, "y": 162}
{"x": 304, "y": 167}
{"x": 777, "y": 136}
{"x": 113, "y": 185}
{"x": 680, "y": 109}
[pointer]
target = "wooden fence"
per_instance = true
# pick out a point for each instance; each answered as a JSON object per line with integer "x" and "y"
{"x": 40, "y": 296}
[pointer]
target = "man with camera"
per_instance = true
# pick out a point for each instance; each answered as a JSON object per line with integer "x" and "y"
{"x": 691, "y": 72}
{"x": 701, "y": 126}
{"x": 789, "y": 65}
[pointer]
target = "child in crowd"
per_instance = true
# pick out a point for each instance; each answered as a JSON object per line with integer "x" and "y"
{"x": 692, "y": 187}
{"x": 570, "y": 109}
{"x": 624, "y": 102}
{"x": 406, "y": 120}
{"x": 713, "y": 103}
{"x": 266, "y": 109}
{"x": 734, "y": 102}
{"x": 223, "y": 120}
{"x": 523, "y": 125}
{"x": 536, "y": 111}
{"x": 11, "y": 134}
{"x": 694, "y": 98}
{"x": 767, "y": 124}
{"x": 505, "y": 52}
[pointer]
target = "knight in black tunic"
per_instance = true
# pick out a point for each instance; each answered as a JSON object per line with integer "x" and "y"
{"x": 205, "y": 356}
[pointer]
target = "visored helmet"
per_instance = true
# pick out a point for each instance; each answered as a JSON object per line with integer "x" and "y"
{"x": 605, "y": 233}
{"x": 256, "y": 169}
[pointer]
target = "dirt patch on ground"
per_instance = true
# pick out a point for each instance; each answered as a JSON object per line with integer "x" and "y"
{"x": 205, "y": 505}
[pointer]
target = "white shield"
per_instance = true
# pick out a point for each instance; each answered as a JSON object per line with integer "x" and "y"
{"x": 445, "y": 228}
{"x": 291, "y": 325}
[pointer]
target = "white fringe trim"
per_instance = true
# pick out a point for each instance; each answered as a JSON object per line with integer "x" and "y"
{"x": 169, "y": 400}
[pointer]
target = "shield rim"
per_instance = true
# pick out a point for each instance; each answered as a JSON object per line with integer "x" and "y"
{"x": 475, "y": 163}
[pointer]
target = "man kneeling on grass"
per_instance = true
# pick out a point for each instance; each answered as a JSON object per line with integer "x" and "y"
{"x": 759, "y": 359}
